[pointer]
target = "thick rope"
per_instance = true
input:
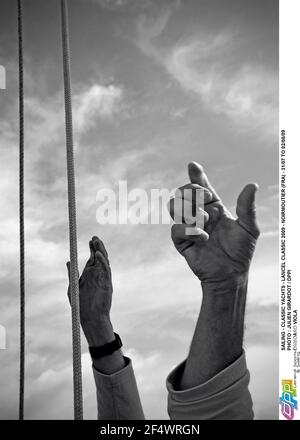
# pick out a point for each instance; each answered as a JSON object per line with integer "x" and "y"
{"x": 74, "y": 288}
{"x": 21, "y": 213}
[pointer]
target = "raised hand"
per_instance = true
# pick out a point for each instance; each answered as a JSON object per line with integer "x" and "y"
{"x": 224, "y": 247}
{"x": 95, "y": 294}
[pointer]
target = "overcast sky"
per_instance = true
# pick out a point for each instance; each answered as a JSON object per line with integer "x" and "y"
{"x": 156, "y": 84}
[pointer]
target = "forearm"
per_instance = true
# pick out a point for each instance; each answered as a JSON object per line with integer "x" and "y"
{"x": 218, "y": 337}
{"x": 117, "y": 392}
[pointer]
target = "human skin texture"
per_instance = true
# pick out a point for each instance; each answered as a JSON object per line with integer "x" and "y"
{"x": 219, "y": 255}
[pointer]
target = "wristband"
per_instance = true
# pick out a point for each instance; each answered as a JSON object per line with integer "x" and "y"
{"x": 106, "y": 349}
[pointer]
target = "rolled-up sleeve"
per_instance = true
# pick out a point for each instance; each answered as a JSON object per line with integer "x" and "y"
{"x": 117, "y": 395}
{"x": 224, "y": 397}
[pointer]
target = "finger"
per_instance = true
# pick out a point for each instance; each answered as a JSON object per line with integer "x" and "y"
{"x": 68, "y": 290}
{"x": 195, "y": 193}
{"x": 197, "y": 233}
{"x": 197, "y": 175}
{"x": 246, "y": 211}
{"x": 91, "y": 260}
{"x": 100, "y": 260}
{"x": 184, "y": 236}
{"x": 68, "y": 269}
{"x": 184, "y": 211}
{"x": 99, "y": 246}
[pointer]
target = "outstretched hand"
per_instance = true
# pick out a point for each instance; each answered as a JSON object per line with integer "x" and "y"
{"x": 225, "y": 245}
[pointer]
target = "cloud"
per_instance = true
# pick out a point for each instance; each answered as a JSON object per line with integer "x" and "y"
{"x": 46, "y": 117}
{"x": 202, "y": 64}
{"x": 270, "y": 234}
{"x": 247, "y": 97}
{"x": 54, "y": 383}
{"x": 96, "y": 102}
{"x": 151, "y": 29}
{"x": 121, "y": 5}
{"x": 113, "y": 4}
{"x": 2, "y": 77}
{"x": 263, "y": 362}
{"x": 178, "y": 113}
{"x": 261, "y": 324}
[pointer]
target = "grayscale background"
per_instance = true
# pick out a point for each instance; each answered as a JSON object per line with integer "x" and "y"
{"x": 156, "y": 84}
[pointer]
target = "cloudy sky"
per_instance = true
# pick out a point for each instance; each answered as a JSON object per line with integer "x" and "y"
{"x": 156, "y": 84}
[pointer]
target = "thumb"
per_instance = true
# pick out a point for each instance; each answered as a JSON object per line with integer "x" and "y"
{"x": 91, "y": 260}
{"x": 246, "y": 211}
{"x": 68, "y": 269}
{"x": 68, "y": 264}
{"x": 196, "y": 173}
{"x": 68, "y": 291}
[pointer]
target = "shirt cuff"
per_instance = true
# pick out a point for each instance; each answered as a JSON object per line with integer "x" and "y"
{"x": 110, "y": 380}
{"x": 223, "y": 397}
{"x": 117, "y": 394}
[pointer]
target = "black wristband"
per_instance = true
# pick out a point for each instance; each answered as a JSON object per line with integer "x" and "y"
{"x": 106, "y": 349}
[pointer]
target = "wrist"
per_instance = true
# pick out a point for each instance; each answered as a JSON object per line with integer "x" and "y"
{"x": 226, "y": 299}
{"x": 104, "y": 334}
{"x": 234, "y": 282}
{"x": 99, "y": 332}
{"x": 223, "y": 305}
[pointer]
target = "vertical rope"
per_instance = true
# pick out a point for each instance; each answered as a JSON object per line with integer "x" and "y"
{"x": 74, "y": 288}
{"x": 21, "y": 213}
